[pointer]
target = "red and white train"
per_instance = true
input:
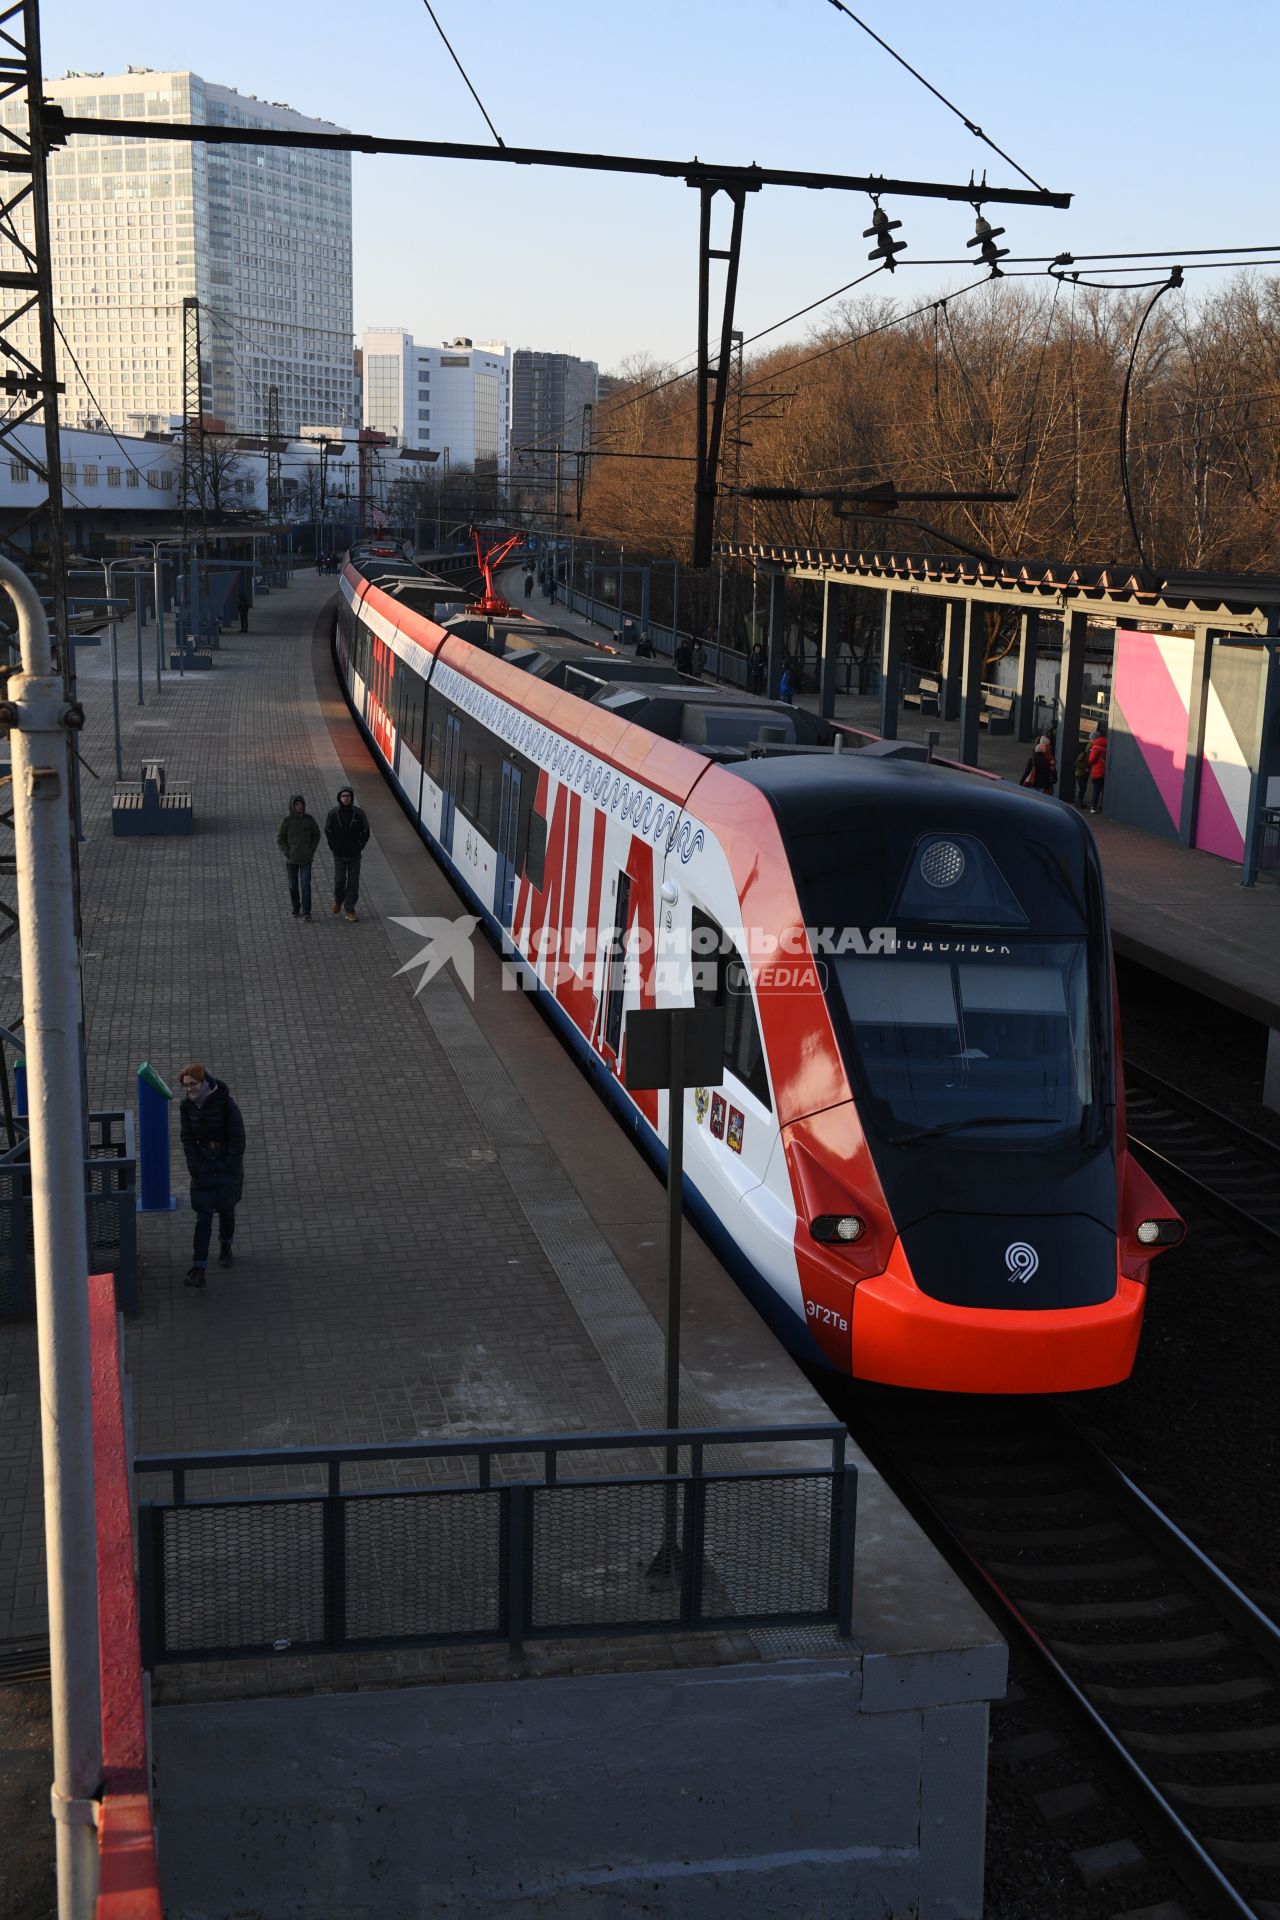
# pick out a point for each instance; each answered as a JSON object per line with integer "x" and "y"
{"x": 916, "y": 1161}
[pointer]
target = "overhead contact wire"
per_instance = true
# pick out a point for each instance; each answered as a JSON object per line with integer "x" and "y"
{"x": 462, "y": 70}
{"x": 950, "y": 105}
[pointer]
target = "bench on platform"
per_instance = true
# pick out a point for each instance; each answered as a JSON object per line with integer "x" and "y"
{"x": 150, "y": 804}
{"x": 997, "y": 712}
{"x": 927, "y": 695}
{"x": 190, "y": 660}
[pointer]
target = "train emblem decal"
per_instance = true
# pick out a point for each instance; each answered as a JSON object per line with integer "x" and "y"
{"x": 1022, "y": 1261}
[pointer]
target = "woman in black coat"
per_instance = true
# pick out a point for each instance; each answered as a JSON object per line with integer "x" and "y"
{"x": 213, "y": 1145}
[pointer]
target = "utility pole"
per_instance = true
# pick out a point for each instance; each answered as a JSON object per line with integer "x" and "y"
{"x": 195, "y": 476}
{"x": 40, "y": 720}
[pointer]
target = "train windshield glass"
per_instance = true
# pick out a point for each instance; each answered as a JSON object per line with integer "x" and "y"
{"x": 966, "y": 973}
{"x": 993, "y": 1045}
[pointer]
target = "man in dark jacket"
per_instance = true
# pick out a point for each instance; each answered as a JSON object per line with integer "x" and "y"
{"x": 297, "y": 837}
{"x": 347, "y": 832}
{"x": 213, "y": 1144}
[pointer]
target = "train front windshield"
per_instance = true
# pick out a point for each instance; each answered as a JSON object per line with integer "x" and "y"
{"x": 993, "y": 1044}
{"x": 968, "y": 979}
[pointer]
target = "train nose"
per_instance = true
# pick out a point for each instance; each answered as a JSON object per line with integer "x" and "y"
{"x": 1013, "y": 1261}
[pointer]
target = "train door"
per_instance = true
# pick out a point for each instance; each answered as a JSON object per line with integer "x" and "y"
{"x": 452, "y": 744}
{"x": 734, "y": 1125}
{"x": 508, "y": 834}
{"x": 615, "y": 982}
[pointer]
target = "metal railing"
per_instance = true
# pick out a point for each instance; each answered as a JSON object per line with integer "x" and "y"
{"x": 337, "y": 1567}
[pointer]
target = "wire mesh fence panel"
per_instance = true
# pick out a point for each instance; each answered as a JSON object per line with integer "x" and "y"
{"x": 593, "y": 1548}
{"x": 238, "y": 1577}
{"x": 17, "y": 1274}
{"x": 422, "y": 1565}
{"x": 767, "y": 1547}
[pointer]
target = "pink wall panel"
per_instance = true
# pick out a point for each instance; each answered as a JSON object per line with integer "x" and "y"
{"x": 1154, "y": 706}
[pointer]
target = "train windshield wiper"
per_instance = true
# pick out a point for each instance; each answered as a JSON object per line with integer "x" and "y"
{"x": 955, "y": 1126}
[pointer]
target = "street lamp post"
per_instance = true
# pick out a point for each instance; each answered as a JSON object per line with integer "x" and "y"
{"x": 40, "y": 720}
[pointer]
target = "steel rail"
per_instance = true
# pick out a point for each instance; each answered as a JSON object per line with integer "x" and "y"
{"x": 1257, "y": 1230}
{"x": 1255, "y": 1142}
{"x": 1264, "y": 1150}
{"x": 1192, "y": 1859}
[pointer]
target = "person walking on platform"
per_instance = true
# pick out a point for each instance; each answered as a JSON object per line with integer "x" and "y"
{"x": 1040, "y": 771}
{"x": 684, "y": 656}
{"x": 551, "y": 589}
{"x": 644, "y": 647}
{"x": 787, "y": 684}
{"x": 698, "y": 660}
{"x": 242, "y": 605}
{"x": 528, "y": 586}
{"x": 297, "y": 837}
{"x": 1082, "y": 772}
{"x": 1097, "y": 771}
{"x": 213, "y": 1145}
{"x": 347, "y": 833}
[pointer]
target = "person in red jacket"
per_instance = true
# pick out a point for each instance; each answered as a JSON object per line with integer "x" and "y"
{"x": 1097, "y": 771}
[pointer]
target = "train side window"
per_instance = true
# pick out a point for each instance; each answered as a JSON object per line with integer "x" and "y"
{"x": 433, "y": 752}
{"x": 469, "y": 799}
{"x": 721, "y": 980}
{"x": 535, "y": 853}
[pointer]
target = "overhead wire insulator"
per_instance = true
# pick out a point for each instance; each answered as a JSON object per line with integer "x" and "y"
{"x": 879, "y": 230}
{"x": 984, "y": 238}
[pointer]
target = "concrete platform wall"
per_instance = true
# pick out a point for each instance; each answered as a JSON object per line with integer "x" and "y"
{"x": 712, "y": 1795}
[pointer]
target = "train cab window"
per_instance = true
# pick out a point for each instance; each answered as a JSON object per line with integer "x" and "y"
{"x": 960, "y": 1046}
{"x": 535, "y": 853}
{"x": 721, "y": 980}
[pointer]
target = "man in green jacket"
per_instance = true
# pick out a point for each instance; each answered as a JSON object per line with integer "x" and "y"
{"x": 297, "y": 837}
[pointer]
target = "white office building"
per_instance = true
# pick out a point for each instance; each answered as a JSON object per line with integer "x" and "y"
{"x": 261, "y": 236}
{"x": 453, "y": 399}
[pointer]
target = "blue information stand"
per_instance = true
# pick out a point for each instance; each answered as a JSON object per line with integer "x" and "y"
{"x": 155, "y": 1194}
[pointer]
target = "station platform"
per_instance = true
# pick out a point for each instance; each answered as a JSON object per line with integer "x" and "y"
{"x": 442, "y": 1234}
{"x": 1181, "y": 912}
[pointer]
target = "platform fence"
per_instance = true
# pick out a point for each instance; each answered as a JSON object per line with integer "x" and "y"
{"x": 505, "y": 1547}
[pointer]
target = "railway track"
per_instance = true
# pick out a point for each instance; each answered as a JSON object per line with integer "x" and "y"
{"x": 1205, "y": 1158}
{"x": 1167, "y": 1669}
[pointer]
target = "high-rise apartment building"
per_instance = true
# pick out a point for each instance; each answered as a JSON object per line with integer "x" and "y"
{"x": 261, "y": 236}
{"x": 549, "y": 393}
{"x": 454, "y": 398}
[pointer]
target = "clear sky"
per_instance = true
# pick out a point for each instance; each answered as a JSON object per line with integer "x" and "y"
{"x": 1160, "y": 118}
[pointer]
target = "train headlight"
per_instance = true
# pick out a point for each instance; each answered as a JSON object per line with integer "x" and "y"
{"x": 842, "y": 1228}
{"x": 1160, "y": 1233}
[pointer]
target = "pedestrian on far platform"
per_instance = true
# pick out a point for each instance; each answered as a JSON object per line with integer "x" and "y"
{"x": 1040, "y": 771}
{"x": 213, "y": 1145}
{"x": 1097, "y": 771}
{"x": 552, "y": 589}
{"x": 528, "y": 586}
{"x": 347, "y": 832}
{"x": 787, "y": 685}
{"x": 698, "y": 660}
{"x": 757, "y": 667}
{"x": 684, "y": 656}
{"x": 1082, "y": 772}
{"x": 242, "y": 607}
{"x": 297, "y": 837}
